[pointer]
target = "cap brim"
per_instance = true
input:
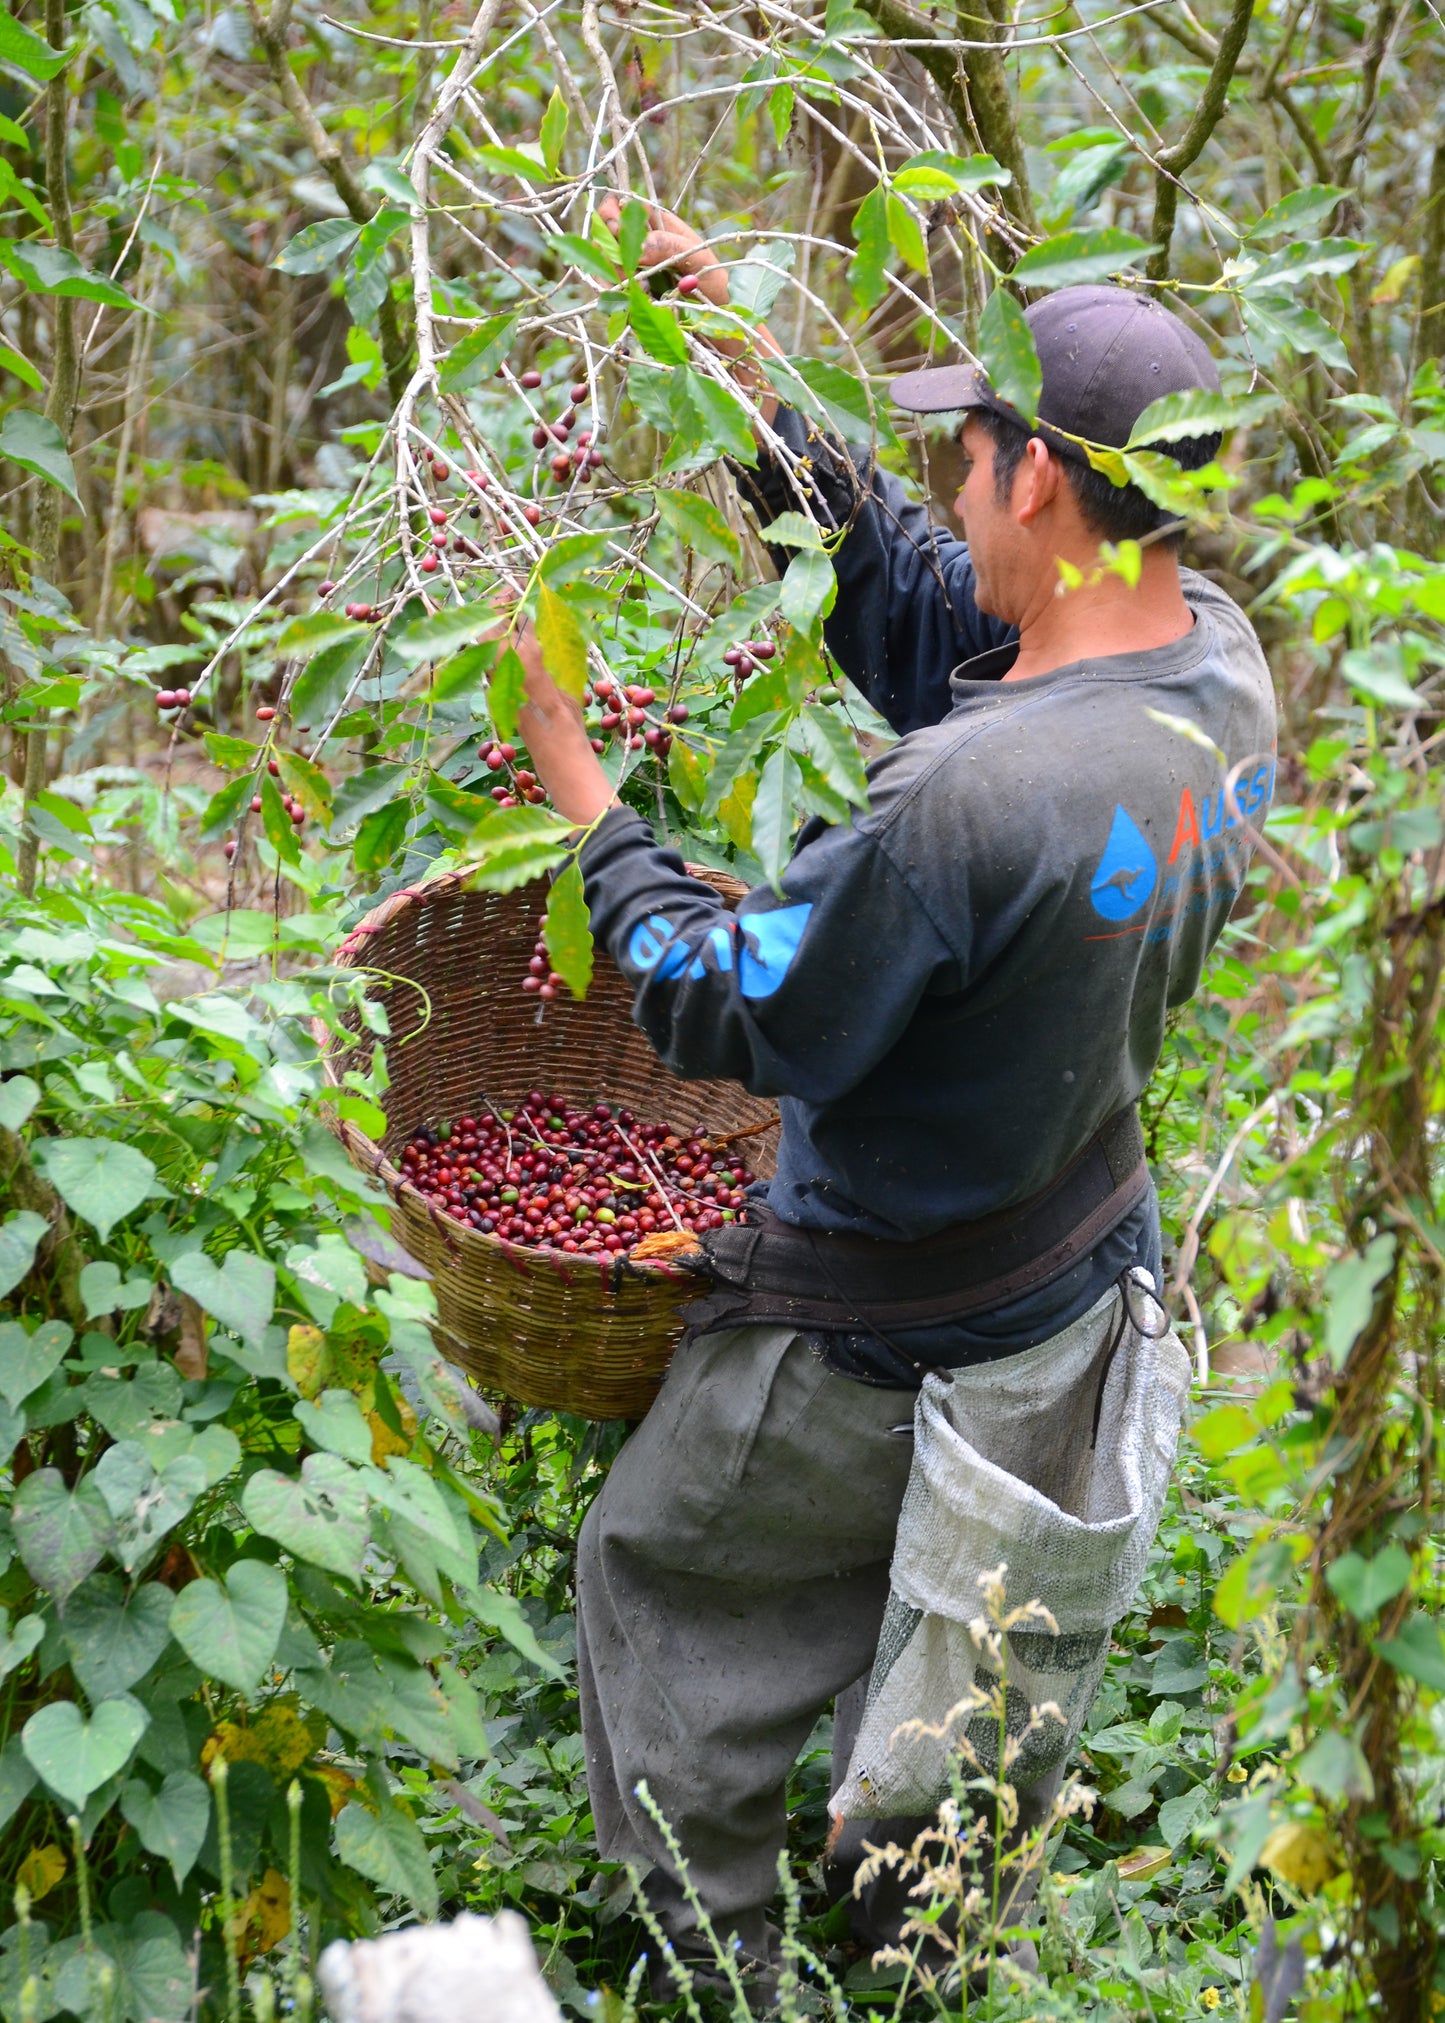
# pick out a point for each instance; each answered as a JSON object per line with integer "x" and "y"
{"x": 942, "y": 389}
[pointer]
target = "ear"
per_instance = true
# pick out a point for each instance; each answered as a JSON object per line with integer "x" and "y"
{"x": 1038, "y": 482}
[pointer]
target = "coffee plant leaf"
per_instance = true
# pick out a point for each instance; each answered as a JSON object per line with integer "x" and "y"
{"x": 1071, "y": 259}
{"x": 229, "y": 1630}
{"x": 433, "y": 635}
{"x": 834, "y": 751}
{"x": 905, "y": 233}
{"x": 867, "y": 274}
{"x": 22, "y": 50}
{"x": 810, "y": 588}
{"x": 326, "y": 681}
{"x": 102, "y": 1180}
{"x": 240, "y": 1292}
{"x": 53, "y": 270}
{"x": 316, "y": 247}
{"x": 1009, "y": 355}
{"x": 699, "y": 525}
{"x": 26, "y": 1360}
{"x": 171, "y": 1822}
{"x": 710, "y": 422}
{"x": 62, "y": 1534}
{"x": 477, "y": 355}
{"x": 774, "y": 810}
{"x": 562, "y": 640}
{"x": 320, "y": 1515}
{"x": 75, "y": 1756}
{"x": 568, "y": 930}
{"x": 386, "y": 1846}
{"x": 656, "y": 328}
{"x": 114, "y": 1637}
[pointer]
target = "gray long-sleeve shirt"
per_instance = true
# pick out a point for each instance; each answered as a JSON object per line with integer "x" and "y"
{"x": 956, "y": 988}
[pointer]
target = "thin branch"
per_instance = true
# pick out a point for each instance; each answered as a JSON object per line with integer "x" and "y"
{"x": 1187, "y": 150}
{"x": 362, "y": 207}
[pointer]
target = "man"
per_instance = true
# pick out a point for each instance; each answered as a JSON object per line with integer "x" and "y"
{"x": 957, "y": 999}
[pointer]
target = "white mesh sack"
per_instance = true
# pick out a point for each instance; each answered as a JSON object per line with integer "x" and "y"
{"x": 1054, "y": 1464}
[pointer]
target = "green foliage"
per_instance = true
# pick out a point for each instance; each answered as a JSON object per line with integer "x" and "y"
{"x": 243, "y": 1521}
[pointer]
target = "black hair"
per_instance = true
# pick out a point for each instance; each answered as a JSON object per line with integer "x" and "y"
{"x": 1113, "y": 512}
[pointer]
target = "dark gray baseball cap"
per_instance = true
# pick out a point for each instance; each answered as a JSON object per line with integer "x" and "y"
{"x": 1105, "y": 353}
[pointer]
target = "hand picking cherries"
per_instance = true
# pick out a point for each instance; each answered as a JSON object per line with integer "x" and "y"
{"x": 555, "y": 1176}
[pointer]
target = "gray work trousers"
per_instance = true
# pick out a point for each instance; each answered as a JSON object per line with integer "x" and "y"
{"x": 731, "y": 1580}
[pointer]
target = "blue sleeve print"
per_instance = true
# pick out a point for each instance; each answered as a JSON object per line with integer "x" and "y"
{"x": 798, "y": 998}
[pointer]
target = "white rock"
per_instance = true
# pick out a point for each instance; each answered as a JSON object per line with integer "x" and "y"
{"x": 474, "y": 1970}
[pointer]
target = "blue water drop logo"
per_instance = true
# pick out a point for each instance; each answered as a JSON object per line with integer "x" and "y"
{"x": 1126, "y": 873}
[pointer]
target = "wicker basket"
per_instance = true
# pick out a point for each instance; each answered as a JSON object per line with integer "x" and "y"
{"x": 575, "y": 1334}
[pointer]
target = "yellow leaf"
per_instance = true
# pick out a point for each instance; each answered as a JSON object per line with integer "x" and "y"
{"x": 339, "y": 1785}
{"x": 1144, "y": 1863}
{"x": 1396, "y": 279}
{"x": 735, "y": 811}
{"x": 1299, "y": 1855}
{"x": 307, "y": 1360}
{"x": 384, "y": 1441}
{"x": 264, "y": 1919}
{"x": 278, "y": 1739}
{"x": 562, "y": 640}
{"x": 41, "y": 1870}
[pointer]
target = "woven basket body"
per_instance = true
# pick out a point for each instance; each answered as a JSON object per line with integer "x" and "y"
{"x": 572, "y": 1334}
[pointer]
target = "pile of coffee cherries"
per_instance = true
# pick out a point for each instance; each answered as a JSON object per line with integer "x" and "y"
{"x": 585, "y": 1180}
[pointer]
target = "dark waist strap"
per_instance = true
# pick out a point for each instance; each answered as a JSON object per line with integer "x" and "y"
{"x": 768, "y": 1270}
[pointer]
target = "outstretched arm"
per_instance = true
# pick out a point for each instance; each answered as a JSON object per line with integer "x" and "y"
{"x": 905, "y": 615}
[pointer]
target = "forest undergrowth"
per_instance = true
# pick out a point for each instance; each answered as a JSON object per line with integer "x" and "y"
{"x": 317, "y": 353}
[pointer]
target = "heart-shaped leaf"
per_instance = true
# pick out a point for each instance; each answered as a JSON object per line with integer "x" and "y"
{"x": 240, "y": 1292}
{"x": 17, "y": 1644}
{"x": 1365, "y": 1585}
{"x": 386, "y": 1847}
{"x": 62, "y": 1533}
{"x": 337, "y": 1423}
{"x": 115, "y": 1638}
{"x": 320, "y": 1516}
{"x": 18, "y": 1097}
{"x": 76, "y": 1756}
{"x": 26, "y": 1360}
{"x": 19, "y": 1236}
{"x": 171, "y": 1822}
{"x": 231, "y": 1632}
{"x": 101, "y": 1179}
{"x": 144, "y": 1502}
{"x": 103, "y": 1292}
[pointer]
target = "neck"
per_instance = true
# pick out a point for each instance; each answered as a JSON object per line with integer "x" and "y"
{"x": 1102, "y": 615}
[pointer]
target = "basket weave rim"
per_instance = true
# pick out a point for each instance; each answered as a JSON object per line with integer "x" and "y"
{"x": 615, "y": 1265}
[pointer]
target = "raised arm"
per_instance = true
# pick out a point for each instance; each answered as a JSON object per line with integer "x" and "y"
{"x": 905, "y": 615}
